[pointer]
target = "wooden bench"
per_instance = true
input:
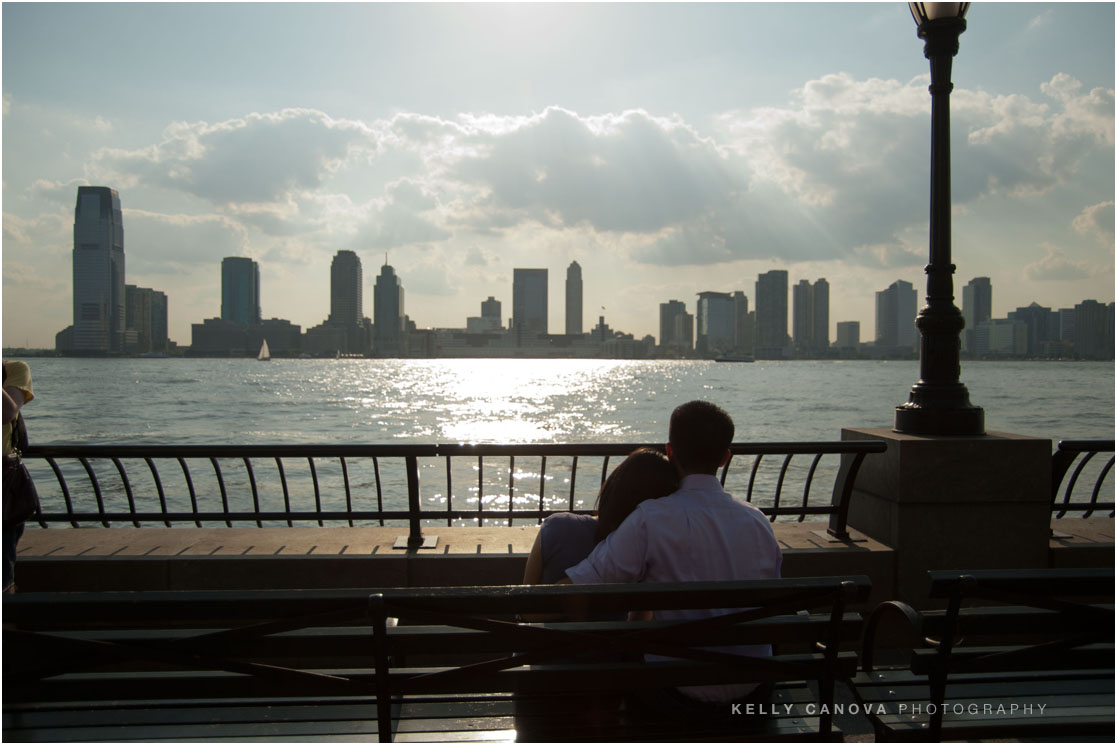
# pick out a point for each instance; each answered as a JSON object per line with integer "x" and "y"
{"x": 458, "y": 666}
{"x": 1031, "y": 655}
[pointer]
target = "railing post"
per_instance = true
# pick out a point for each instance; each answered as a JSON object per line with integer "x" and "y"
{"x": 843, "y": 491}
{"x": 414, "y": 538}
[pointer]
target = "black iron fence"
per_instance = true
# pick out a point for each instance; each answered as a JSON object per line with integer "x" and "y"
{"x": 1077, "y": 458}
{"x": 376, "y": 484}
{"x": 264, "y": 485}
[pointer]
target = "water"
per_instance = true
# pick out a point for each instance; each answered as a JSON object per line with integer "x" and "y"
{"x": 209, "y": 401}
{"x": 200, "y": 401}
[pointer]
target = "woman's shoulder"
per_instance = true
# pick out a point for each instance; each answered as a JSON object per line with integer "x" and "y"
{"x": 567, "y": 521}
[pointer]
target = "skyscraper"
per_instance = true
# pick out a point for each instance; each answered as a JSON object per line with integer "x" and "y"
{"x": 98, "y": 267}
{"x": 346, "y": 280}
{"x": 529, "y": 302}
{"x": 388, "y": 314}
{"x": 676, "y": 327}
{"x": 240, "y": 290}
{"x": 490, "y": 312}
{"x": 802, "y": 317}
{"x": 820, "y": 310}
{"x": 742, "y": 323}
{"x": 574, "y": 299}
{"x": 1093, "y": 330}
{"x": 811, "y": 317}
{"x": 146, "y": 314}
{"x": 771, "y": 314}
{"x": 977, "y": 308}
{"x": 896, "y": 316}
{"x": 715, "y": 323}
{"x": 849, "y": 335}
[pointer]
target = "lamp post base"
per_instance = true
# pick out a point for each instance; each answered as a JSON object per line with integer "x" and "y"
{"x": 915, "y": 419}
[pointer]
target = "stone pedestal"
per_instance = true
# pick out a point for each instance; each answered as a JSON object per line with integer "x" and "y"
{"x": 954, "y": 503}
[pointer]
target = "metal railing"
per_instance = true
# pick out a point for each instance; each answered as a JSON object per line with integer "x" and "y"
{"x": 1081, "y": 455}
{"x": 113, "y": 484}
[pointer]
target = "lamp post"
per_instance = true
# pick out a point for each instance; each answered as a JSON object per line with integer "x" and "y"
{"x": 939, "y": 403}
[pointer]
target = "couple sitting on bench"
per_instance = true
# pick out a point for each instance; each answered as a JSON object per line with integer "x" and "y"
{"x": 668, "y": 519}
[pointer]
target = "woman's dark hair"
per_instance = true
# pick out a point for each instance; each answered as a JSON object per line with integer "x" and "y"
{"x": 644, "y": 474}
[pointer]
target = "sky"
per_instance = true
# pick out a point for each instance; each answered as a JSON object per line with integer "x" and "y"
{"x": 669, "y": 149}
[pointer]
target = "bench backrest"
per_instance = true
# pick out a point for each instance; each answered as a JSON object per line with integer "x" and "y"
{"x": 999, "y": 621}
{"x": 186, "y": 645}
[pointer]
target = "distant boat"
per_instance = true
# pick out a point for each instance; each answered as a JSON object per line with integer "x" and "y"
{"x": 264, "y": 355}
{"x": 734, "y": 358}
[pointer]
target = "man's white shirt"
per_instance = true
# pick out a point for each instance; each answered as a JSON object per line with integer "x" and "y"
{"x": 698, "y": 533}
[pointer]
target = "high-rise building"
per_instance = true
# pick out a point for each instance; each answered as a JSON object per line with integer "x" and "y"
{"x": 99, "y": 295}
{"x": 490, "y": 311}
{"x": 1002, "y": 337}
{"x": 896, "y": 316}
{"x": 810, "y": 311}
{"x": 977, "y": 308}
{"x": 715, "y": 314}
{"x": 346, "y": 281}
{"x": 146, "y": 315}
{"x": 742, "y": 323}
{"x": 574, "y": 299}
{"x": 849, "y": 335}
{"x": 388, "y": 314}
{"x": 676, "y": 328}
{"x": 1093, "y": 330}
{"x": 820, "y": 312}
{"x": 802, "y": 317}
{"x": 771, "y": 314}
{"x": 529, "y": 303}
{"x": 1042, "y": 324}
{"x": 240, "y": 290}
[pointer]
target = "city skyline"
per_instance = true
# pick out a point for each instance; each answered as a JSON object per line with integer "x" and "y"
{"x": 687, "y": 149}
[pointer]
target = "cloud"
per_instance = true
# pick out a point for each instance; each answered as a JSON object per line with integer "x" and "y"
{"x": 1042, "y": 20}
{"x": 1096, "y": 221}
{"x": 1020, "y": 147}
{"x": 62, "y": 192}
{"x": 158, "y": 243}
{"x": 429, "y": 277}
{"x": 1056, "y": 266}
{"x": 48, "y": 233}
{"x": 839, "y": 172}
{"x": 258, "y": 158}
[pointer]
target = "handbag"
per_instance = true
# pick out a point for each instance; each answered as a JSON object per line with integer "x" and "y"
{"x": 21, "y": 498}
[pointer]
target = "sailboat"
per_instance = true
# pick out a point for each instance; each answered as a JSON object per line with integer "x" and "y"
{"x": 264, "y": 355}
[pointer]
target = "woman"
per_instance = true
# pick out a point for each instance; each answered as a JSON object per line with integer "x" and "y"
{"x": 17, "y": 392}
{"x": 565, "y": 539}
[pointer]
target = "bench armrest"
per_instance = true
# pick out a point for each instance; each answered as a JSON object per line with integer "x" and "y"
{"x": 914, "y": 624}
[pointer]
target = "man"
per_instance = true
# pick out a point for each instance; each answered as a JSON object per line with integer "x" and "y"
{"x": 698, "y": 533}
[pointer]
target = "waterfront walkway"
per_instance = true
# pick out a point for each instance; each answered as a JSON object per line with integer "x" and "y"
{"x": 240, "y": 558}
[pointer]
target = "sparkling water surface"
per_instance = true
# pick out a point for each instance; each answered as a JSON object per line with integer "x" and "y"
{"x": 243, "y": 401}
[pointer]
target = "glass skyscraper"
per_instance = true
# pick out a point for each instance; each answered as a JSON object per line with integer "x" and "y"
{"x": 388, "y": 313}
{"x": 574, "y": 299}
{"x": 529, "y": 302}
{"x": 771, "y": 314}
{"x": 99, "y": 296}
{"x": 240, "y": 290}
{"x": 346, "y": 307}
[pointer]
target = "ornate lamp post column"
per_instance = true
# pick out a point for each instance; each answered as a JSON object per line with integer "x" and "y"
{"x": 939, "y": 403}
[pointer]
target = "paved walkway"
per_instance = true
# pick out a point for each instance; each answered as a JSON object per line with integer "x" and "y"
{"x": 336, "y": 541}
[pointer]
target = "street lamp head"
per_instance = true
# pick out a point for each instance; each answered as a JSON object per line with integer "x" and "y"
{"x": 940, "y": 25}
{"x": 923, "y": 12}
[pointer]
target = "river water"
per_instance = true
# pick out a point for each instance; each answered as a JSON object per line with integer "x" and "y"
{"x": 198, "y": 401}
{"x": 243, "y": 402}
